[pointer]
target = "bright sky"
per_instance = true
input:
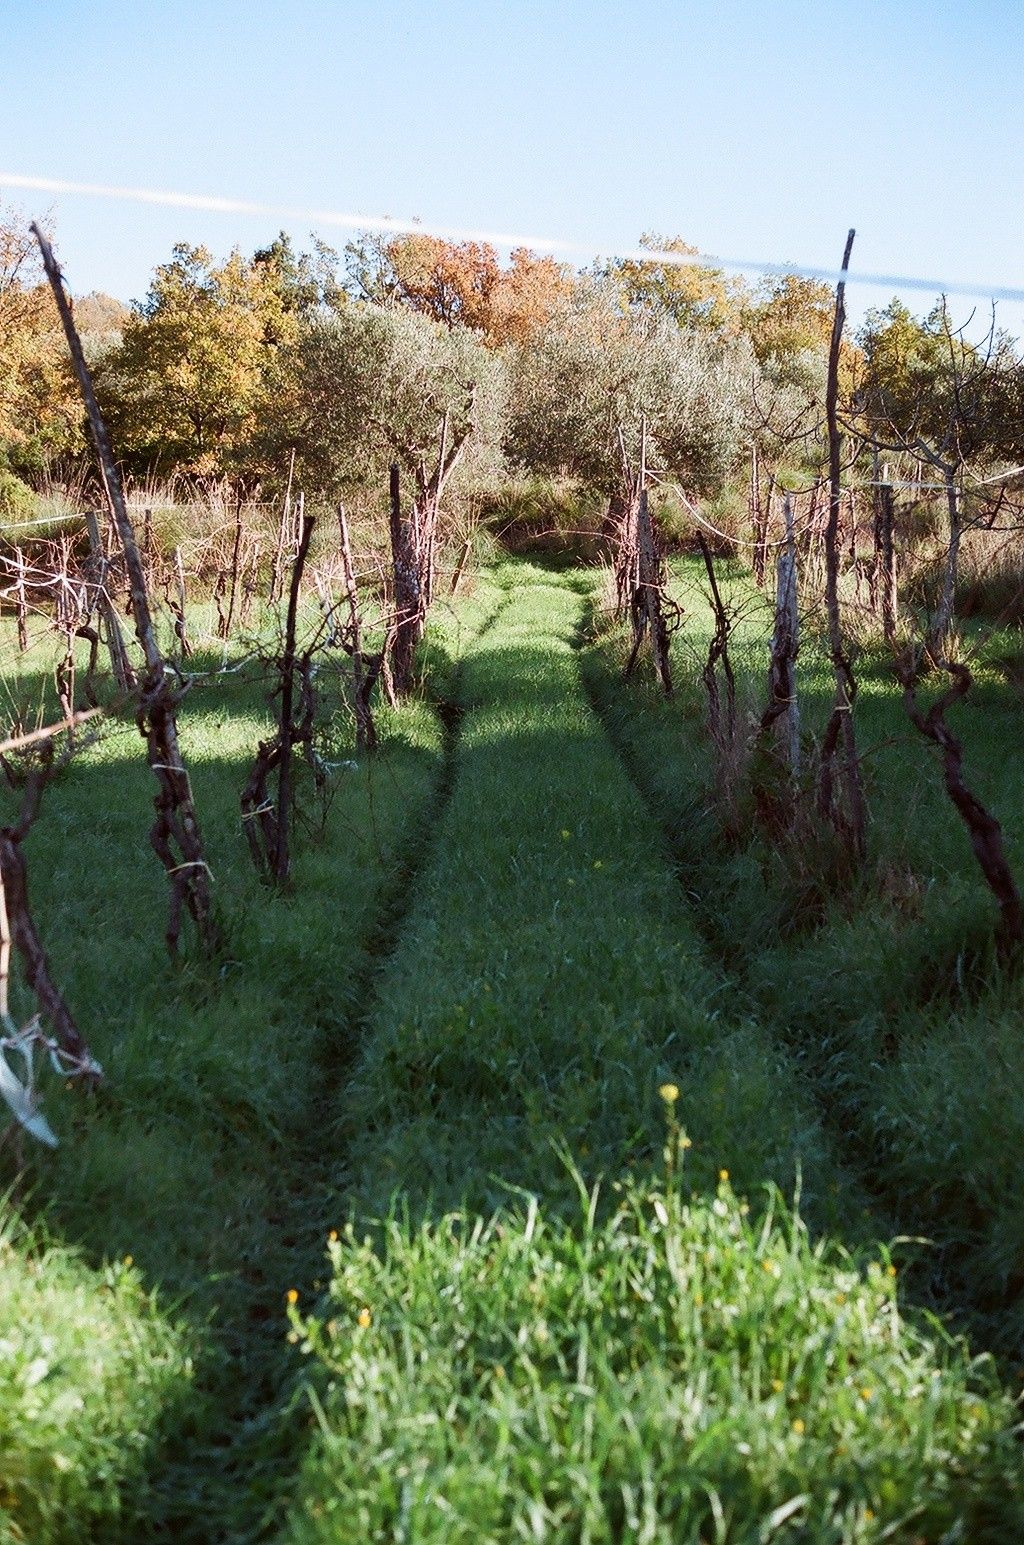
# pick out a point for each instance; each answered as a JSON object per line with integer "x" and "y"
{"x": 751, "y": 129}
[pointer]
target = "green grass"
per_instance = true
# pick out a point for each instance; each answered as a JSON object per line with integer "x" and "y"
{"x": 885, "y": 990}
{"x": 512, "y": 1348}
{"x": 549, "y": 977}
{"x": 676, "y": 1373}
{"x": 89, "y": 1370}
{"x": 202, "y": 1157}
{"x": 446, "y": 1042}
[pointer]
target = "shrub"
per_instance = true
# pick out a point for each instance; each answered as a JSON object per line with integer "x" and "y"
{"x": 17, "y": 501}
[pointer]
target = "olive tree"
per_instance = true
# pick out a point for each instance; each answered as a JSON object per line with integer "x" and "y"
{"x": 385, "y": 390}
{"x": 581, "y": 389}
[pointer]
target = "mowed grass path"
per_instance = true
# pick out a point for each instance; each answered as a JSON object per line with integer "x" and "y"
{"x": 549, "y": 977}
{"x": 553, "y": 1314}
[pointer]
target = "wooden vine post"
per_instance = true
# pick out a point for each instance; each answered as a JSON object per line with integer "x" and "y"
{"x": 267, "y": 820}
{"x": 783, "y": 711}
{"x": 639, "y": 567}
{"x": 120, "y": 665}
{"x": 849, "y": 815}
{"x": 409, "y": 609}
{"x": 21, "y": 599}
{"x": 175, "y": 835}
{"x": 884, "y": 575}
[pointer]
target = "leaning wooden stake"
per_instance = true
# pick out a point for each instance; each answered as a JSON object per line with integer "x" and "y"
{"x": 849, "y": 815}
{"x": 175, "y": 834}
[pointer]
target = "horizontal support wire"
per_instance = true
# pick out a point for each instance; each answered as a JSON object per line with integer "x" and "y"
{"x": 216, "y": 204}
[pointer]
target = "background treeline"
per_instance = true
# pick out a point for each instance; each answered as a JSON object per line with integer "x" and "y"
{"x": 318, "y": 370}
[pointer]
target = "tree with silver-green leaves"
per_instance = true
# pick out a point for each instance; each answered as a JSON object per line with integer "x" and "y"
{"x": 598, "y": 371}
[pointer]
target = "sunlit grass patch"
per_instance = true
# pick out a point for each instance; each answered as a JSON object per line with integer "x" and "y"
{"x": 676, "y": 1372}
{"x": 90, "y": 1371}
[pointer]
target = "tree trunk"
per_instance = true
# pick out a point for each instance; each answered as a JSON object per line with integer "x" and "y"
{"x": 408, "y": 623}
{"x": 839, "y": 735}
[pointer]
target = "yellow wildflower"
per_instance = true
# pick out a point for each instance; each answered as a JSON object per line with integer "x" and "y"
{"x": 363, "y": 1318}
{"x": 669, "y": 1093}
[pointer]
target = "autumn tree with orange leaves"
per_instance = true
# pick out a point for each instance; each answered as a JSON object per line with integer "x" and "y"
{"x": 461, "y": 284}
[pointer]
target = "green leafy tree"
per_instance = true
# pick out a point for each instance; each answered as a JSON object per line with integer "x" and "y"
{"x": 373, "y": 385}
{"x": 928, "y": 392}
{"x": 693, "y": 294}
{"x": 204, "y": 360}
{"x": 40, "y": 412}
{"x": 597, "y": 370}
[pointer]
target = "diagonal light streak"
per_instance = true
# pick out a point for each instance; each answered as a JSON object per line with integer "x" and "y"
{"x": 215, "y": 204}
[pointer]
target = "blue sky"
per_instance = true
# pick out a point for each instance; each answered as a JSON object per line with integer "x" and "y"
{"x": 751, "y": 130}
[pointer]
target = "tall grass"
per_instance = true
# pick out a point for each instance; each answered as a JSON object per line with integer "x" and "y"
{"x": 91, "y": 1369}
{"x": 674, "y": 1373}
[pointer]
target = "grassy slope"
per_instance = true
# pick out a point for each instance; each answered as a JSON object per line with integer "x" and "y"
{"x": 887, "y": 994}
{"x": 618, "y": 1364}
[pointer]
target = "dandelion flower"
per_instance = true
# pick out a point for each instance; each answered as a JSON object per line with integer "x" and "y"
{"x": 723, "y": 1175}
{"x": 364, "y": 1318}
{"x": 292, "y": 1296}
{"x": 669, "y": 1093}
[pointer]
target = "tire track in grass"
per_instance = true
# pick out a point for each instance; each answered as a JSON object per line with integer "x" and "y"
{"x": 850, "y": 1202}
{"x": 511, "y": 1376}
